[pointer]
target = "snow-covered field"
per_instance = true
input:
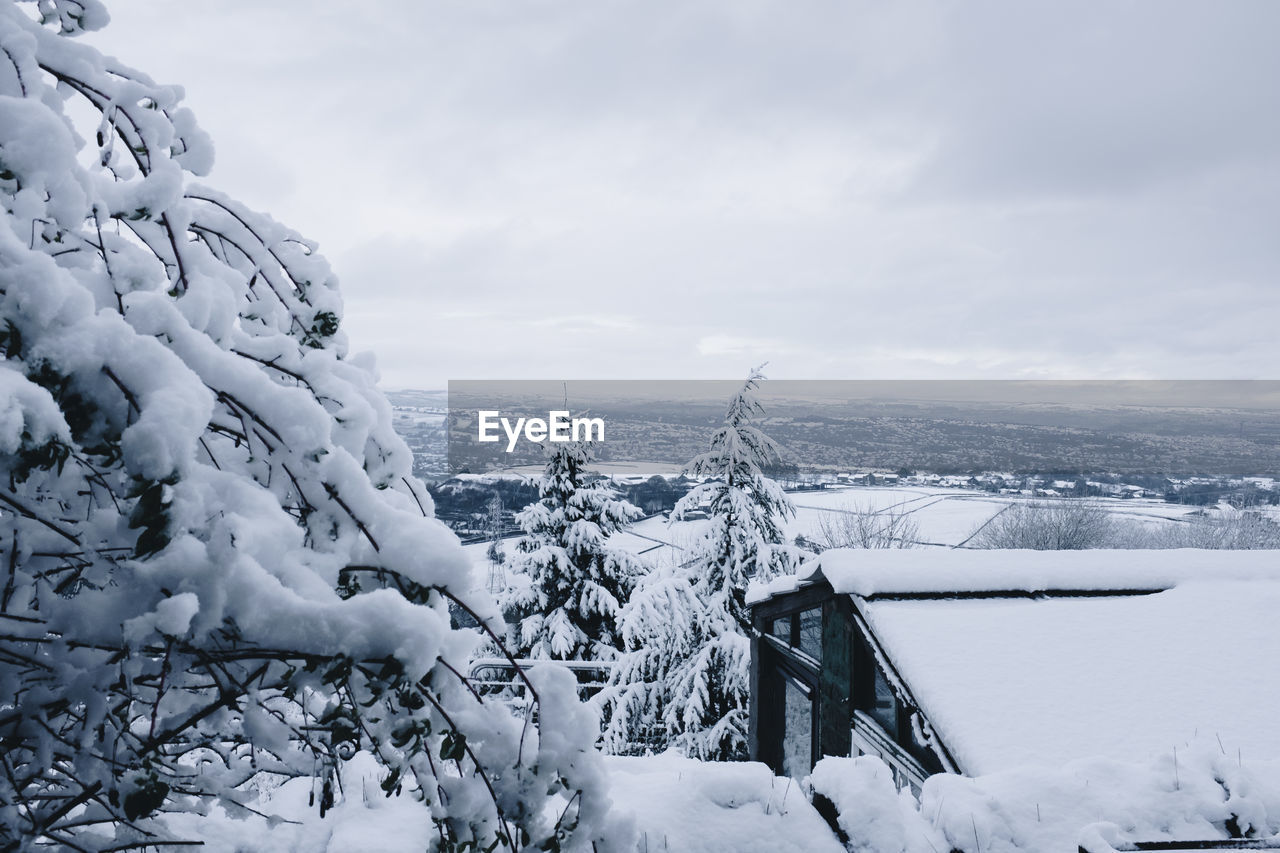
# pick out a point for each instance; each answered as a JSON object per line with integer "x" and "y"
{"x": 943, "y": 517}
{"x": 609, "y": 469}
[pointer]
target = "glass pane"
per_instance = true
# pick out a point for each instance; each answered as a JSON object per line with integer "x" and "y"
{"x": 782, "y": 629}
{"x": 797, "y": 732}
{"x": 885, "y": 710}
{"x": 811, "y": 633}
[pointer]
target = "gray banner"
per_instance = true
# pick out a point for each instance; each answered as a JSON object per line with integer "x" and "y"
{"x": 1222, "y": 427}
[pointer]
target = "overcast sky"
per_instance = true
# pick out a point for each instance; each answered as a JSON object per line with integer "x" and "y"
{"x": 596, "y": 189}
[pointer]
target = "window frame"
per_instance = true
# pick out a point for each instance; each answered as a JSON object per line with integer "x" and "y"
{"x": 843, "y": 681}
{"x": 774, "y": 660}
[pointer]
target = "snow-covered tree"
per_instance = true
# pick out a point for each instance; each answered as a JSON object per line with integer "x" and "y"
{"x": 745, "y": 538}
{"x": 214, "y": 560}
{"x": 568, "y": 585}
{"x": 685, "y": 677}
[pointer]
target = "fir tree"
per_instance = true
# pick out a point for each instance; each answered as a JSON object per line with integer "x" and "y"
{"x": 573, "y": 586}
{"x": 745, "y": 538}
{"x": 684, "y": 680}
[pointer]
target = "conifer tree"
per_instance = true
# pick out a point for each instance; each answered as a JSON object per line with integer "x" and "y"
{"x": 685, "y": 677}
{"x": 571, "y": 585}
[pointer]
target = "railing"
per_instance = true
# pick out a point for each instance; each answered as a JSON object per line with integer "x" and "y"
{"x": 497, "y": 677}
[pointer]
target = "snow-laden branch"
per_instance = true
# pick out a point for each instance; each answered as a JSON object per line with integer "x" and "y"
{"x": 215, "y": 561}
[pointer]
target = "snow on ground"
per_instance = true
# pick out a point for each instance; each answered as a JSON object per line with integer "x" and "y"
{"x": 948, "y": 516}
{"x": 1148, "y": 508}
{"x": 661, "y": 804}
{"x": 476, "y": 554}
{"x": 951, "y": 519}
{"x": 671, "y": 804}
{"x": 875, "y": 497}
{"x": 640, "y": 469}
{"x": 1199, "y": 794}
{"x": 944, "y": 517}
{"x": 661, "y": 541}
{"x": 686, "y": 806}
{"x": 363, "y": 821}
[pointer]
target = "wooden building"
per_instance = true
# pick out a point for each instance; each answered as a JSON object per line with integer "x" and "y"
{"x": 974, "y": 662}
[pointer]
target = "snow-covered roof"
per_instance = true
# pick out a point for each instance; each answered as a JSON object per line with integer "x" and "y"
{"x": 1010, "y": 680}
{"x": 885, "y": 572}
{"x": 1014, "y": 682}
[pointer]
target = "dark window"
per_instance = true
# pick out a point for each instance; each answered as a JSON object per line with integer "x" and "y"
{"x": 885, "y": 709}
{"x": 919, "y": 749}
{"x": 793, "y": 718}
{"x": 811, "y": 633}
{"x": 797, "y": 731}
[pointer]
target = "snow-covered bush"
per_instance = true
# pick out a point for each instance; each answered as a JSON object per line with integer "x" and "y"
{"x": 864, "y": 526}
{"x": 571, "y": 585}
{"x": 216, "y": 563}
{"x": 1064, "y": 525}
{"x": 872, "y": 815}
{"x": 1202, "y": 791}
{"x": 685, "y": 678}
{"x": 1224, "y": 529}
{"x": 1081, "y": 524}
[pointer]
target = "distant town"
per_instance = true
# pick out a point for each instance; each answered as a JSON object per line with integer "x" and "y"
{"x": 463, "y": 500}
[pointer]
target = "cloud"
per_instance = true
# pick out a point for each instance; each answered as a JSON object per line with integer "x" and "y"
{"x": 850, "y": 189}
{"x": 742, "y": 348}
